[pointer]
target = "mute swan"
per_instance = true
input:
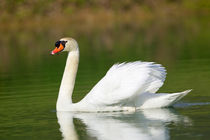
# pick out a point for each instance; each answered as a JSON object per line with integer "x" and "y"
{"x": 125, "y": 87}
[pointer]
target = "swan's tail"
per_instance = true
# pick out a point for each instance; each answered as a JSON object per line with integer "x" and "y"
{"x": 162, "y": 99}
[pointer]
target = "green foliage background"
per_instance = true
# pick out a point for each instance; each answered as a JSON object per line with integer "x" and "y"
{"x": 157, "y": 30}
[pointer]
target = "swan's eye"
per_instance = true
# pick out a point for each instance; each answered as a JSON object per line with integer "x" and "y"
{"x": 63, "y": 43}
{"x": 57, "y": 44}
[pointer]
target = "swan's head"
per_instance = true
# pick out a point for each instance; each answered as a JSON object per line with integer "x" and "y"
{"x": 65, "y": 44}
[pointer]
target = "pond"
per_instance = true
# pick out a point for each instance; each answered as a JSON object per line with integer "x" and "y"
{"x": 29, "y": 84}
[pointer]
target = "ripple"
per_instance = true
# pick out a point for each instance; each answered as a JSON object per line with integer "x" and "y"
{"x": 183, "y": 105}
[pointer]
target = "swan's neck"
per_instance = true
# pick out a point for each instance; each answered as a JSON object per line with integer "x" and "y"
{"x": 68, "y": 80}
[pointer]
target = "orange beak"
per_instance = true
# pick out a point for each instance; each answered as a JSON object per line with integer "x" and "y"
{"x": 57, "y": 49}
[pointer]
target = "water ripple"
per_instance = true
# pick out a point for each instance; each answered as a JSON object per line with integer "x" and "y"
{"x": 183, "y": 105}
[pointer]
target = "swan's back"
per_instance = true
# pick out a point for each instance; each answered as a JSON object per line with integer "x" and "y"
{"x": 124, "y": 82}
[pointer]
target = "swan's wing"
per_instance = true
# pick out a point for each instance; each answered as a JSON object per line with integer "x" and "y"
{"x": 123, "y": 82}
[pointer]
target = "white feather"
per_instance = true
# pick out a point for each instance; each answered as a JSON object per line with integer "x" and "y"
{"x": 123, "y": 82}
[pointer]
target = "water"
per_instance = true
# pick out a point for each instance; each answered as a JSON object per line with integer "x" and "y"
{"x": 29, "y": 86}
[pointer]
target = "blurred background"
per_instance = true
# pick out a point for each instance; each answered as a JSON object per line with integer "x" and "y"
{"x": 174, "y": 33}
{"x": 151, "y": 30}
{"x": 170, "y": 32}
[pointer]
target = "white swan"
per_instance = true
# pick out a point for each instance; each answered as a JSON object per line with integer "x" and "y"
{"x": 126, "y": 86}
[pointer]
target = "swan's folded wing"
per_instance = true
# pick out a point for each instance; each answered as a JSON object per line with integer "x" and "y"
{"x": 123, "y": 82}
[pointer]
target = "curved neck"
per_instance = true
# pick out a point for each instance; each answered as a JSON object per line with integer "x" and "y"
{"x": 68, "y": 80}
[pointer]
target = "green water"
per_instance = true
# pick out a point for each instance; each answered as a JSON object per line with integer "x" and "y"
{"x": 29, "y": 83}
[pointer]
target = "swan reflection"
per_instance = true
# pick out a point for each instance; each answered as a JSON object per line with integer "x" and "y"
{"x": 145, "y": 124}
